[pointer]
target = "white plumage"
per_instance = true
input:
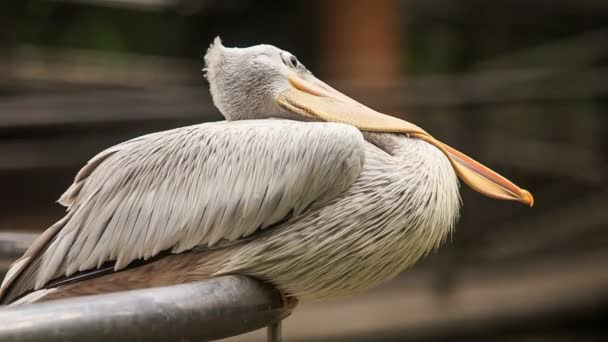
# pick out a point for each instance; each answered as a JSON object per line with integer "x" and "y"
{"x": 320, "y": 209}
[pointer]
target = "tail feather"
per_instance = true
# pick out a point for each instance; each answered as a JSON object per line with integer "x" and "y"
{"x": 14, "y": 283}
{"x": 164, "y": 270}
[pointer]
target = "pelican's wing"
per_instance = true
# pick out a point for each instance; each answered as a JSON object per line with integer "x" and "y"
{"x": 197, "y": 185}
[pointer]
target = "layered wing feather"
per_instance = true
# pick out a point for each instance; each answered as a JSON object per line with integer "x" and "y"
{"x": 187, "y": 187}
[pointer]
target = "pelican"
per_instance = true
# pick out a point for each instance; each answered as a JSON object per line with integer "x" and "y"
{"x": 301, "y": 186}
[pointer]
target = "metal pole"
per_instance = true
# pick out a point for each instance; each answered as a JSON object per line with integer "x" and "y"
{"x": 213, "y": 309}
{"x": 274, "y": 333}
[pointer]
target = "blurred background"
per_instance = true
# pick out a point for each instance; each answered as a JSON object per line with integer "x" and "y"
{"x": 520, "y": 85}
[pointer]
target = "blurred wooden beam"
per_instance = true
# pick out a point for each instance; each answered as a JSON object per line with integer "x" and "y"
{"x": 360, "y": 40}
{"x": 168, "y": 101}
{"x": 99, "y": 106}
{"x": 28, "y": 64}
{"x": 450, "y": 8}
{"x": 128, "y": 4}
{"x": 544, "y": 157}
{"x": 575, "y": 51}
{"x": 582, "y": 218}
{"x": 485, "y": 88}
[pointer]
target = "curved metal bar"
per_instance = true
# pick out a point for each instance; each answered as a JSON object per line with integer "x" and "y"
{"x": 201, "y": 311}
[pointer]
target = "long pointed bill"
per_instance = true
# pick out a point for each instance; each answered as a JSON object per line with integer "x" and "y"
{"x": 312, "y": 98}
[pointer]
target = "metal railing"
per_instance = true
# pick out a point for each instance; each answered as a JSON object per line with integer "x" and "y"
{"x": 202, "y": 311}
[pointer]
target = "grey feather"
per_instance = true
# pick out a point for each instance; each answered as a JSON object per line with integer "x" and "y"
{"x": 196, "y": 185}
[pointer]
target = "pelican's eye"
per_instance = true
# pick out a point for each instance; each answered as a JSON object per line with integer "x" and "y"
{"x": 290, "y": 60}
{"x": 294, "y": 61}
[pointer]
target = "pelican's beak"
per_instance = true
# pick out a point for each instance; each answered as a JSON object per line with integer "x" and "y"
{"x": 314, "y": 99}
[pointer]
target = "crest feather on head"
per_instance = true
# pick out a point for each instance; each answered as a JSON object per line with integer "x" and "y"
{"x": 212, "y": 57}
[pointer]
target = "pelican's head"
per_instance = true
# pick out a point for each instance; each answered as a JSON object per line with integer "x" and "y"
{"x": 246, "y": 83}
{"x": 264, "y": 81}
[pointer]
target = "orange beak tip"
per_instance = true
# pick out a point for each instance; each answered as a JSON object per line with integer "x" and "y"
{"x": 527, "y": 198}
